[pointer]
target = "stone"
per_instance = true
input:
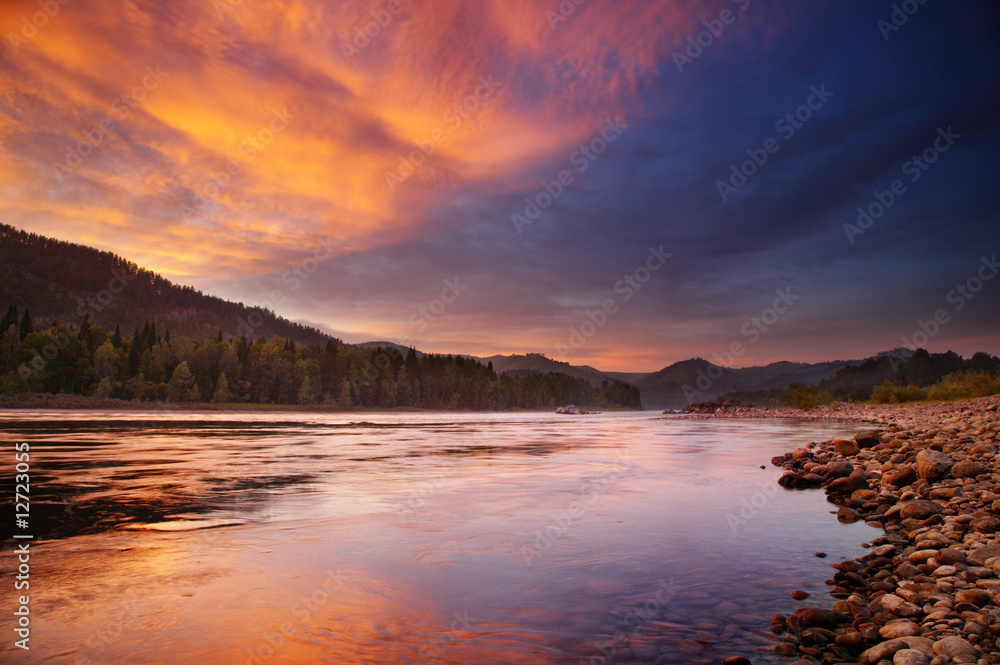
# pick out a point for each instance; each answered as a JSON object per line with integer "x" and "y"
{"x": 852, "y": 483}
{"x": 798, "y": 594}
{"x": 846, "y": 447}
{"x": 900, "y": 607}
{"x": 921, "y": 644}
{"x": 980, "y": 556}
{"x": 895, "y": 629}
{"x": 815, "y": 617}
{"x": 882, "y": 651}
{"x": 932, "y": 464}
{"x": 919, "y": 509}
{"x": 868, "y": 439}
{"x": 845, "y": 514}
{"x": 736, "y": 660}
{"x": 949, "y": 556}
{"x": 977, "y": 597}
{"x": 954, "y": 646}
{"x": 968, "y": 469}
{"x": 909, "y": 657}
{"x": 839, "y": 469}
{"x": 902, "y": 476}
{"x": 985, "y": 525}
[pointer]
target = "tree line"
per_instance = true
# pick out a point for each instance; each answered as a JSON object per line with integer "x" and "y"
{"x": 145, "y": 366}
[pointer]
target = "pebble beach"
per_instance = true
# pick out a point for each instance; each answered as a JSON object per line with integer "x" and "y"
{"x": 927, "y": 591}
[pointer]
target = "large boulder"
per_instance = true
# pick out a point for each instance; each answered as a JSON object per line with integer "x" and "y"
{"x": 932, "y": 464}
{"x": 846, "y": 447}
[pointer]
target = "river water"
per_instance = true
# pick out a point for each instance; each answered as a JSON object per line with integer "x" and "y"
{"x": 177, "y": 538}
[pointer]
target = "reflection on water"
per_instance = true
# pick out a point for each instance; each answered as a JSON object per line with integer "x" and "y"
{"x": 400, "y": 538}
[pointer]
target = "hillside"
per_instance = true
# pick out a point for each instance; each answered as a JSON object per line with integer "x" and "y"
{"x": 536, "y": 363}
{"x": 63, "y": 283}
{"x": 698, "y": 380}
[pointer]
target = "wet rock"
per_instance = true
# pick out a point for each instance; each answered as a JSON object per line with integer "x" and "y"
{"x": 839, "y": 469}
{"x": 848, "y": 485}
{"x": 816, "y": 617}
{"x": 932, "y": 464}
{"x": 845, "y": 514}
{"x": 798, "y": 594}
{"x": 736, "y": 660}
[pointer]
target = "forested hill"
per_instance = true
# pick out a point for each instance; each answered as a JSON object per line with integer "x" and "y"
{"x": 62, "y": 283}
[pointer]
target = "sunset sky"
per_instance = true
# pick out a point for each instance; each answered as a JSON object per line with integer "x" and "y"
{"x": 390, "y": 169}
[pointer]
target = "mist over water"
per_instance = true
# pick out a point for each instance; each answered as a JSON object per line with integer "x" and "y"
{"x": 414, "y": 538}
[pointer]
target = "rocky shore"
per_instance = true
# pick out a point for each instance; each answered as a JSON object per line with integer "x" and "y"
{"x": 927, "y": 592}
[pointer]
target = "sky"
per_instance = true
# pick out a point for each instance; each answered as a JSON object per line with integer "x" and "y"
{"x": 619, "y": 183}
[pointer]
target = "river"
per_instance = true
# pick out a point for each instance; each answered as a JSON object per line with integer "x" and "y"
{"x": 273, "y": 538}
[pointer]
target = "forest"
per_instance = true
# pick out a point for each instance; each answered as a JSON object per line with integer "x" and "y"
{"x": 87, "y": 359}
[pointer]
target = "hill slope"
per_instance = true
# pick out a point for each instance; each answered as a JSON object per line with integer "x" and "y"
{"x": 62, "y": 283}
{"x": 698, "y": 380}
{"x": 536, "y": 363}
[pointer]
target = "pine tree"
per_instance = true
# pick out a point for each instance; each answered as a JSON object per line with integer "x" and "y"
{"x": 27, "y": 327}
{"x": 116, "y": 339}
{"x": 9, "y": 319}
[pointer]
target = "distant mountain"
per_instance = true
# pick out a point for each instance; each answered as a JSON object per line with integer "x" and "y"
{"x": 62, "y": 283}
{"x": 698, "y": 380}
{"x": 536, "y": 363}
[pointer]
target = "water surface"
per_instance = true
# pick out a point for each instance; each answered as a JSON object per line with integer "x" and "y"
{"x": 177, "y": 538}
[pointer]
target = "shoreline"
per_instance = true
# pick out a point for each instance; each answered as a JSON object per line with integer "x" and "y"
{"x": 927, "y": 593}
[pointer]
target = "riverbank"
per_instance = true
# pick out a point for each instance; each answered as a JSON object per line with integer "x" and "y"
{"x": 927, "y": 591}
